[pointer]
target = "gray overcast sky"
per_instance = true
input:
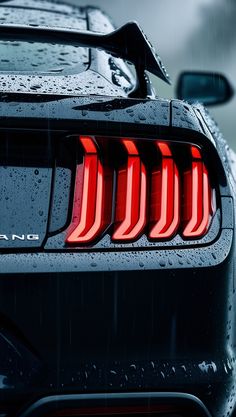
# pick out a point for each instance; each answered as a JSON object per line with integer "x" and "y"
{"x": 188, "y": 34}
{"x": 162, "y": 20}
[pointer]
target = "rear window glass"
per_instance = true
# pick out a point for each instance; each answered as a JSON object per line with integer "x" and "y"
{"x": 30, "y": 57}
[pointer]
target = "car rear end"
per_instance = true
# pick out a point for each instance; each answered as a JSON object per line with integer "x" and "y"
{"x": 116, "y": 236}
{"x": 116, "y": 269}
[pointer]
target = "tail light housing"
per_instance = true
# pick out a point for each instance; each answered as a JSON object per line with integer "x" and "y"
{"x": 129, "y": 187}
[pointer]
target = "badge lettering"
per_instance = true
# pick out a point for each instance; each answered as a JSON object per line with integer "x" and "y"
{"x": 23, "y": 237}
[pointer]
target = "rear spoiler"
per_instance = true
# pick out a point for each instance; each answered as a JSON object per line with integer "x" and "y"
{"x": 128, "y": 42}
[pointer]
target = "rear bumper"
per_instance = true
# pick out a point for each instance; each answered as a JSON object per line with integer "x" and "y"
{"x": 105, "y": 322}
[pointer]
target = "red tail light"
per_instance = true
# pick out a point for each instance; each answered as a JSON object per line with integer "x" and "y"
{"x": 90, "y": 214}
{"x": 165, "y": 196}
{"x": 131, "y": 196}
{"x": 161, "y": 189}
{"x": 198, "y": 196}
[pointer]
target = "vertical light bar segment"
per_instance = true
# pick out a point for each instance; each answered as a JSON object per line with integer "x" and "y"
{"x": 130, "y": 216}
{"x": 165, "y": 196}
{"x": 90, "y": 214}
{"x": 198, "y": 196}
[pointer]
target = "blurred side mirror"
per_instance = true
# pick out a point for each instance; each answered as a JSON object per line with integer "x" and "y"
{"x": 207, "y": 88}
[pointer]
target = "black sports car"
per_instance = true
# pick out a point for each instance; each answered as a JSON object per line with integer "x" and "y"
{"x": 117, "y": 265}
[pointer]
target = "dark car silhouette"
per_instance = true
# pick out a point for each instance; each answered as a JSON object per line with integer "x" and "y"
{"x": 117, "y": 264}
